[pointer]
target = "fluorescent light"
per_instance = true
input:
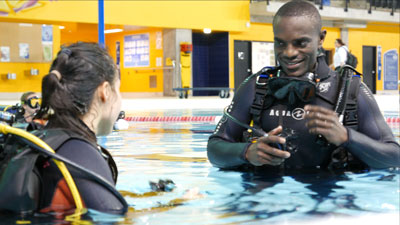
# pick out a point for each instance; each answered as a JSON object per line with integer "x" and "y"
{"x": 61, "y": 27}
{"x": 113, "y": 31}
{"x": 25, "y": 25}
{"x": 207, "y": 30}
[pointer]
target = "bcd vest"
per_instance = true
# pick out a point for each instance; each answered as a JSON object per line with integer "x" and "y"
{"x": 20, "y": 163}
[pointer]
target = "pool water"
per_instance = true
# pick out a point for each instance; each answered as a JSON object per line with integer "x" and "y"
{"x": 149, "y": 151}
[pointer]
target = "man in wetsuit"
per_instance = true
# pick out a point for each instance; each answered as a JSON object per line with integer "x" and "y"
{"x": 297, "y": 38}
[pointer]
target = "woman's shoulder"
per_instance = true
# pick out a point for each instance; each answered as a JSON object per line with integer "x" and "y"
{"x": 58, "y": 138}
{"x": 79, "y": 147}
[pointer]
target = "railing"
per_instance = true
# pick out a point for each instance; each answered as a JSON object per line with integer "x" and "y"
{"x": 370, "y": 5}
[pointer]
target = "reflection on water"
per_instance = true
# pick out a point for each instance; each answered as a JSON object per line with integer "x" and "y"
{"x": 177, "y": 151}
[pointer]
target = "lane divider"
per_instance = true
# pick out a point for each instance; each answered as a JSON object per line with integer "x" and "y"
{"x": 392, "y": 121}
{"x": 210, "y": 119}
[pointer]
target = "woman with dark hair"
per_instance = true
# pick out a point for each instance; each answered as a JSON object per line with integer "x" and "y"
{"x": 81, "y": 100}
{"x": 340, "y": 56}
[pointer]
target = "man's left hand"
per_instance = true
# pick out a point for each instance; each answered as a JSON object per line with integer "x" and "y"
{"x": 325, "y": 122}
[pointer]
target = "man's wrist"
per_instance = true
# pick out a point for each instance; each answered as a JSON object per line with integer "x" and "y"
{"x": 244, "y": 153}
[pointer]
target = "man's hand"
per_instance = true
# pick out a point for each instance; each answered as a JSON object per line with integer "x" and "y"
{"x": 325, "y": 122}
{"x": 260, "y": 153}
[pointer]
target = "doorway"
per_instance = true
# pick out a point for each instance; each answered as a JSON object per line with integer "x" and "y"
{"x": 210, "y": 62}
{"x": 369, "y": 67}
{"x": 242, "y": 61}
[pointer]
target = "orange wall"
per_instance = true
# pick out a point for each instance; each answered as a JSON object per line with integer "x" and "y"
{"x": 137, "y": 79}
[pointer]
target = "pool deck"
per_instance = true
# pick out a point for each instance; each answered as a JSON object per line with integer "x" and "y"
{"x": 386, "y": 103}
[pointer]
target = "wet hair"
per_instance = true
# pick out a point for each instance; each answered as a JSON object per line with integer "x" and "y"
{"x": 341, "y": 43}
{"x": 67, "y": 93}
{"x": 25, "y": 95}
{"x": 299, "y": 8}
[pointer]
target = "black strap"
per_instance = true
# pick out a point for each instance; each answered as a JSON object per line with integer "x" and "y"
{"x": 57, "y": 137}
{"x": 350, "y": 116}
{"x": 260, "y": 93}
{"x": 341, "y": 158}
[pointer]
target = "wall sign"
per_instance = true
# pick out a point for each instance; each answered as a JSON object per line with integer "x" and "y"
{"x": 118, "y": 52}
{"x": 379, "y": 60}
{"x": 262, "y": 54}
{"x": 136, "y": 50}
{"x": 391, "y": 70}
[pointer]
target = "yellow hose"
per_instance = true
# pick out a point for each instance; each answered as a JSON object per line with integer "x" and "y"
{"x": 5, "y": 109}
{"x": 5, "y": 129}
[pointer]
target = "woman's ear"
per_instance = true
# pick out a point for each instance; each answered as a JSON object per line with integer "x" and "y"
{"x": 104, "y": 91}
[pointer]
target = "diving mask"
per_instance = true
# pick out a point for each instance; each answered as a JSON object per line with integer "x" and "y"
{"x": 33, "y": 102}
{"x": 292, "y": 90}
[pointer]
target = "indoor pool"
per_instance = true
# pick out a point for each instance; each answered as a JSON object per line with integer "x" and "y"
{"x": 149, "y": 151}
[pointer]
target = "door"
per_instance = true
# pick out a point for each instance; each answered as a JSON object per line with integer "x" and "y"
{"x": 242, "y": 61}
{"x": 210, "y": 61}
{"x": 369, "y": 67}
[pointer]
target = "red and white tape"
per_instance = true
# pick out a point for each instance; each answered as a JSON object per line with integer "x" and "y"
{"x": 172, "y": 118}
{"x": 392, "y": 120}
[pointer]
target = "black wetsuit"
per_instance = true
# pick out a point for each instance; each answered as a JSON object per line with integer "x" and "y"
{"x": 373, "y": 142}
{"x": 89, "y": 156}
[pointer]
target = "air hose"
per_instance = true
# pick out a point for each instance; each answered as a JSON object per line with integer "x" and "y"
{"x": 256, "y": 131}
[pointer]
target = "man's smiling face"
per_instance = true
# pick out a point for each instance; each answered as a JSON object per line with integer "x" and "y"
{"x": 296, "y": 41}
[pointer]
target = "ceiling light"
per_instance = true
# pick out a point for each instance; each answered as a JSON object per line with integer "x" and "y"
{"x": 61, "y": 27}
{"x": 113, "y": 31}
{"x": 207, "y": 30}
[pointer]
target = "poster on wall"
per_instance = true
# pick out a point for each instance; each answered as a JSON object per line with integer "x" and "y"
{"x": 136, "y": 50}
{"x": 379, "y": 60}
{"x": 262, "y": 55}
{"x": 47, "y": 33}
{"x": 4, "y": 54}
{"x": 47, "y": 52}
{"x": 391, "y": 70}
{"x": 24, "y": 50}
{"x": 158, "y": 40}
{"x": 47, "y": 42}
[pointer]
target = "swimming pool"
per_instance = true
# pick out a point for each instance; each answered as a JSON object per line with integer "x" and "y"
{"x": 149, "y": 151}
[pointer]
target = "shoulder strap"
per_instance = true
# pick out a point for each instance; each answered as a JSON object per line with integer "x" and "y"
{"x": 350, "y": 116}
{"x": 57, "y": 137}
{"x": 341, "y": 158}
{"x": 260, "y": 93}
